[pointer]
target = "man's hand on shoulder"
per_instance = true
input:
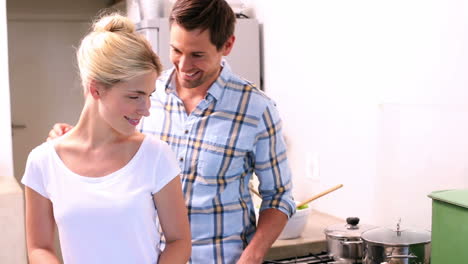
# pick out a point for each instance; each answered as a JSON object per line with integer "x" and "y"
{"x": 58, "y": 130}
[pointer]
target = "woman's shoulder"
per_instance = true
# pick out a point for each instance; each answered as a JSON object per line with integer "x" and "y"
{"x": 160, "y": 154}
{"x": 42, "y": 151}
{"x": 155, "y": 144}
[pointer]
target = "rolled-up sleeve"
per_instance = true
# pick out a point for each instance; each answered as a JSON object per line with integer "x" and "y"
{"x": 271, "y": 164}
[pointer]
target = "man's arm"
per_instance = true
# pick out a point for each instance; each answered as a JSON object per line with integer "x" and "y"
{"x": 270, "y": 224}
{"x": 272, "y": 170}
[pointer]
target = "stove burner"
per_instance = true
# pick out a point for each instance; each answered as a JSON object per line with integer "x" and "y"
{"x": 309, "y": 259}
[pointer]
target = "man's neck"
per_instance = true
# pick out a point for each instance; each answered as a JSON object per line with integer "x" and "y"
{"x": 184, "y": 92}
{"x": 191, "y": 97}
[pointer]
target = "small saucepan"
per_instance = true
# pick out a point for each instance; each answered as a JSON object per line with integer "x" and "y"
{"x": 344, "y": 241}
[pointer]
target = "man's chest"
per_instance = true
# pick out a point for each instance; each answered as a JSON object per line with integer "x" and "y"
{"x": 211, "y": 129}
{"x": 216, "y": 145}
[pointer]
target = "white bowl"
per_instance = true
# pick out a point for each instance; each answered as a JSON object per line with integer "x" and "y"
{"x": 295, "y": 225}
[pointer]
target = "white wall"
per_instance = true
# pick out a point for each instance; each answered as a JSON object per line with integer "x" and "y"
{"x": 374, "y": 91}
{"x": 6, "y": 160}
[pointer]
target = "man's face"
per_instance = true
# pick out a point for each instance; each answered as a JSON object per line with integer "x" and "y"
{"x": 196, "y": 59}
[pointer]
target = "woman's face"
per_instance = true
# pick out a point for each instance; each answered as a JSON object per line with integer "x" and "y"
{"x": 124, "y": 104}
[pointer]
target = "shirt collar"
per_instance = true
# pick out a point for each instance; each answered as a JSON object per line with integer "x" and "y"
{"x": 216, "y": 89}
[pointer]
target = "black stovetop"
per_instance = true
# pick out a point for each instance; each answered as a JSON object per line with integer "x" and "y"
{"x": 309, "y": 259}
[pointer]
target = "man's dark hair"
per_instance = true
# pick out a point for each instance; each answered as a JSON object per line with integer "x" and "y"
{"x": 214, "y": 15}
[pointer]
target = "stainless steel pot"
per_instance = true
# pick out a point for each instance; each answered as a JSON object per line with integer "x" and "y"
{"x": 396, "y": 246}
{"x": 344, "y": 241}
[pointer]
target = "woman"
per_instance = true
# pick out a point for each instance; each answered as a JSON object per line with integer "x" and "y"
{"x": 104, "y": 184}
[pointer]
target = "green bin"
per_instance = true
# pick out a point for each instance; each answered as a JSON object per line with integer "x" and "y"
{"x": 449, "y": 243}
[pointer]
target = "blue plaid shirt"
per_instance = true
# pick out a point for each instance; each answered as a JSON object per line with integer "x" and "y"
{"x": 234, "y": 132}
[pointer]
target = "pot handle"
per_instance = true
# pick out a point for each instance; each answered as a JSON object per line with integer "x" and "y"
{"x": 410, "y": 256}
{"x": 351, "y": 242}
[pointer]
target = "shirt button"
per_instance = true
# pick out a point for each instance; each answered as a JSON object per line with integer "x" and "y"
{"x": 186, "y": 131}
{"x": 181, "y": 159}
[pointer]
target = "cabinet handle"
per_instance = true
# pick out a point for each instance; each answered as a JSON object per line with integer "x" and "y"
{"x": 18, "y": 126}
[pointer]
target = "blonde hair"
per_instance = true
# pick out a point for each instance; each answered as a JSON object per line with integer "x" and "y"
{"x": 113, "y": 52}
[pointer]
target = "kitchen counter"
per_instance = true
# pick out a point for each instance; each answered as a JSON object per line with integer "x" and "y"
{"x": 312, "y": 240}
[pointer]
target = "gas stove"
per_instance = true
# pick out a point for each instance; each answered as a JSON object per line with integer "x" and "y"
{"x": 309, "y": 259}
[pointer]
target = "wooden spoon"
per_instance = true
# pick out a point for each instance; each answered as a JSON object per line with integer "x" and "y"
{"x": 306, "y": 201}
{"x": 319, "y": 195}
{"x": 251, "y": 187}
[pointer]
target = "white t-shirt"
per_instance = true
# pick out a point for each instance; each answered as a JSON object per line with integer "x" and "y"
{"x": 110, "y": 219}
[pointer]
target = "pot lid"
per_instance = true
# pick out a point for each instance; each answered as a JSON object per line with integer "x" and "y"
{"x": 352, "y": 229}
{"x": 396, "y": 237}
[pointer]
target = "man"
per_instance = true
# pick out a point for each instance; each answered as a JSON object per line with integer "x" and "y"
{"x": 222, "y": 129}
